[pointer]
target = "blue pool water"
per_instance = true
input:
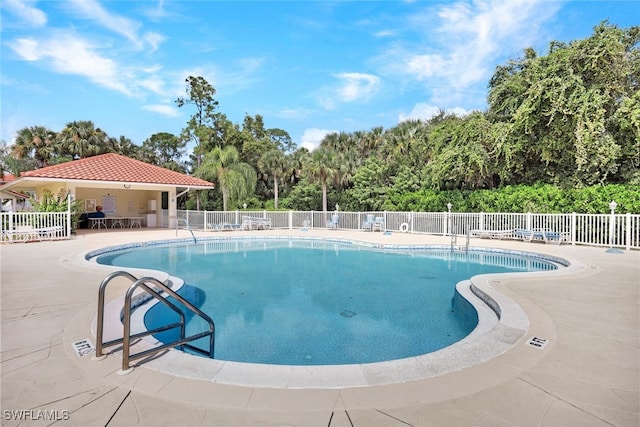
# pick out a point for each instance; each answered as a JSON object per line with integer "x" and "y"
{"x": 300, "y": 302}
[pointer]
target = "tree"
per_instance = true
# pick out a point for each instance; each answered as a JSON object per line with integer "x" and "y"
{"x": 236, "y": 179}
{"x": 282, "y": 140}
{"x": 321, "y": 168}
{"x": 82, "y": 139}
{"x": 35, "y": 142}
{"x": 371, "y": 183}
{"x": 562, "y": 108}
{"x": 123, "y": 146}
{"x": 200, "y": 94}
{"x": 463, "y": 155}
{"x": 274, "y": 164}
{"x": 165, "y": 150}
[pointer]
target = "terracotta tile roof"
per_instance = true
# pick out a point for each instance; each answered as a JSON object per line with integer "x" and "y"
{"x": 114, "y": 167}
{"x": 7, "y": 177}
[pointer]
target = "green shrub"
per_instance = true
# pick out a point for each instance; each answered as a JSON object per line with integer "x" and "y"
{"x": 544, "y": 198}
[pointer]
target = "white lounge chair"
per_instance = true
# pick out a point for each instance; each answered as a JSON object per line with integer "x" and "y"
{"x": 545, "y": 235}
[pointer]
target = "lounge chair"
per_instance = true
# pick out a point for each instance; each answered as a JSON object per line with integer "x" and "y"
{"x": 540, "y": 235}
{"x": 26, "y": 233}
{"x": 254, "y": 223}
{"x": 22, "y": 233}
{"x": 492, "y": 234}
{"x": 224, "y": 226}
{"x": 50, "y": 233}
{"x": 333, "y": 222}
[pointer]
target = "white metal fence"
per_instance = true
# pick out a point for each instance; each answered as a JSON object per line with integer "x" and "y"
{"x": 614, "y": 230}
{"x": 617, "y": 230}
{"x": 30, "y": 226}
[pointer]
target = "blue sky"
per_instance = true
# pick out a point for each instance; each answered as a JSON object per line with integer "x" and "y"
{"x": 308, "y": 67}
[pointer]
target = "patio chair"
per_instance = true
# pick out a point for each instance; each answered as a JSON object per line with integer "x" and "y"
{"x": 368, "y": 222}
{"x": 378, "y": 224}
{"x": 333, "y": 222}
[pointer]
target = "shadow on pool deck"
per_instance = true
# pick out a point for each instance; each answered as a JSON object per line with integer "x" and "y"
{"x": 588, "y": 374}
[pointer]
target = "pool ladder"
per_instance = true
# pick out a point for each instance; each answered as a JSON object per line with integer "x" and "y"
{"x": 145, "y": 284}
{"x": 186, "y": 227}
{"x": 454, "y": 241}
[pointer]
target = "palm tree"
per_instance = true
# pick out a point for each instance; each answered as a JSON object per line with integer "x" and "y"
{"x": 83, "y": 139}
{"x": 236, "y": 179}
{"x": 123, "y": 146}
{"x": 295, "y": 165}
{"x": 372, "y": 142}
{"x": 36, "y": 141}
{"x": 274, "y": 163}
{"x": 321, "y": 167}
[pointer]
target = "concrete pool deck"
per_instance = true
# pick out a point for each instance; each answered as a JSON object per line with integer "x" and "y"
{"x": 587, "y": 374}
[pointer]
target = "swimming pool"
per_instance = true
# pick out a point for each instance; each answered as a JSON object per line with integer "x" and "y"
{"x": 357, "y": 304}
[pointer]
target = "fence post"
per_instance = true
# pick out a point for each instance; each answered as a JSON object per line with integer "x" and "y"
{"x": 445, "y": 218}
{"x": 574, "y": 218}
{"x": 628, "y": 231}
{"x": 290, "y": 220}
{"x": 411, "y": 221}
{"x": 612, "y": 228}
{"x": 481, "y": 221}
{"x": 11, "y": 227}
{"x": 68, "y": 231}
{"x": 528, "y": 220}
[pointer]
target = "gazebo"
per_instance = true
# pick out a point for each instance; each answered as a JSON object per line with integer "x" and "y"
{"x": 122, "y": 186}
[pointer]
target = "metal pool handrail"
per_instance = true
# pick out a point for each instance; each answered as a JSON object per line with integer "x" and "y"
{"x": 142, "y": 283}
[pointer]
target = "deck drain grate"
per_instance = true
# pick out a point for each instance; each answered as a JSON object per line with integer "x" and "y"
{"x": 347, "y": 313}
{"x": 537, "y": 342}
{"x": 83, "y": 347}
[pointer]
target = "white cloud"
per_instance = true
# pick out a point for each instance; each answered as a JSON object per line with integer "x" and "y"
{"x": 385, "y": 33}
{"x": 293, "y": 113}
{"x": 425, "y": 66}
{"x": 153, "y": 83}
{"x": 357, "y": 86}
{"x": 154, "y": 39}
{"x": 26, "y": 48}
{"x": 29, "y": 14}
{"x": 424, "y": 112}
{"x": 157, "y": 12}
{"x": 122, "y": 25}
{"x": 165, "y": 110}
{"x": 462, "y": 40}
{"x": 352, "y": 87}
{"x": 68, "y": 54}
{"x": 312, "y": 137}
